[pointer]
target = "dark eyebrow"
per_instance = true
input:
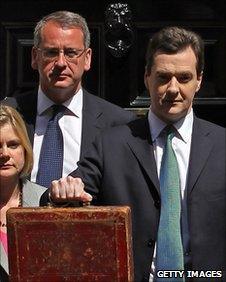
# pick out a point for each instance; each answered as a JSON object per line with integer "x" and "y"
{"x": 164, "y": 73}
{"x": 176, "y": 74}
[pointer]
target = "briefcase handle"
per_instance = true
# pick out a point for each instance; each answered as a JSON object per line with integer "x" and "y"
{"x": 51, "y": 204}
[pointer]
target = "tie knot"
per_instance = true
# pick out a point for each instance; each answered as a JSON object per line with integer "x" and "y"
{"x": 58, "y": 109}
{"x": 169, "y": 130}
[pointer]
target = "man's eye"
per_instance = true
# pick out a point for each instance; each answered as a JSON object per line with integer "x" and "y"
{"x": 184, "y": 78}
{"x": 163, "y": 78}
{"x": 71, "y": 53}
{"x": 51, "y": 53}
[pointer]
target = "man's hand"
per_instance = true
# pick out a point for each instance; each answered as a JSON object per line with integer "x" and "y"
{"x": 69, "y": 189}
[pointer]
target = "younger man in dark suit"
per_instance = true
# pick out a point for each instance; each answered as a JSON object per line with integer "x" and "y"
{"x": 168, "y": 167}
{"x": 61, "y": 54}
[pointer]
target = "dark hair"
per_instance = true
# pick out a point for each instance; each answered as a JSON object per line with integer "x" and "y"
{"x": 171, "y": 40}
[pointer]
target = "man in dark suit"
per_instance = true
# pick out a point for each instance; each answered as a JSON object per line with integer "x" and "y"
{"x": 61, "y": 54}
{"x": 124, "y": 167}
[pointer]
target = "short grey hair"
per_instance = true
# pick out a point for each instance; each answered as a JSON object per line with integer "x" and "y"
{"x": 65, "y": 19}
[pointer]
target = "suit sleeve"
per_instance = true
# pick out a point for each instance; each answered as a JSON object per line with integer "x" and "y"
{"x": 90, "y": 168}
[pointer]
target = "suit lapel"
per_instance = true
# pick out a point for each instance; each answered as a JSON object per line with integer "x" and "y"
{"x": 91, "y": 120}
{"x": 142, "y": 147}
{"x": 140, "y": 143}
{"x": 201, "y": 146}
{"x": 32, "y": 193}
{"x": 28, "y": 194}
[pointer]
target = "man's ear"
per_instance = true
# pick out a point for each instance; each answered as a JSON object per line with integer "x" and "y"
{"x": 88, "y": 57}
{"x": 34, "y": 58}
{"x": 199, "y": 81}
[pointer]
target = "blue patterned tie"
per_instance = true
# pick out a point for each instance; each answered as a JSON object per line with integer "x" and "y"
{"x": 169, "y": 242}
{"x": 52, "y": 151}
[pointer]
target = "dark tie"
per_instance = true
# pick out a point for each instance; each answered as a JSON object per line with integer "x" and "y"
{"x": 169, "y": 243}
{"x": 52, "y": 150}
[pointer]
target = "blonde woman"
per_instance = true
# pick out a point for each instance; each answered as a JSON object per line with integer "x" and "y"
{"x": 16, "y": 160}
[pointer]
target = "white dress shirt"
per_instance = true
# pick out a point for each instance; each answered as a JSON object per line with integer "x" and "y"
{"x": 71, "y": 127}
{"x": 181, "y": 144}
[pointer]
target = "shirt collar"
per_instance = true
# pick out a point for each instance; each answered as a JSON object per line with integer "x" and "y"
{"x": 44, "y": 103}
{"x": 156, "y": 125}
{"x": 183, "y": 126}
{"x": 74, "y": 104}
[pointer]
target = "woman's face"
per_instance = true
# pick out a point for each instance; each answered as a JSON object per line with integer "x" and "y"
{"x": 12, "y": 157}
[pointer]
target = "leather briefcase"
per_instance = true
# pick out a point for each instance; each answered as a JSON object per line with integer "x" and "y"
{"x": 70, "y": 244}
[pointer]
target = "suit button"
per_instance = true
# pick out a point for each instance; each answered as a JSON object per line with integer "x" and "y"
{"x": 151, "y": 243}
{"x": 157, "y": 204}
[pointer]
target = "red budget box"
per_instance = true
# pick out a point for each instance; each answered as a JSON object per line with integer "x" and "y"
{"x": 70, "y": 244}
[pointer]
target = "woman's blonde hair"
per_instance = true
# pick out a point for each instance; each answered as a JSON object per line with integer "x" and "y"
{"x": 9, "y": 115}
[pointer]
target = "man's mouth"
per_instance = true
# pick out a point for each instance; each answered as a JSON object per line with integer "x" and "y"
{"x": 172, "y": 101}
{"x": 61, "y": 76}
{"x": 58, "y": 77}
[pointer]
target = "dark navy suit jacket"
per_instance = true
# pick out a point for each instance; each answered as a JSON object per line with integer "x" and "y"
{"x": 120, "y": 169}
{"x": 97, "y": 115}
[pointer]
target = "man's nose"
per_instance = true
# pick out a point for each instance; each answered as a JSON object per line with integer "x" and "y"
{"x": 61, "y": 60}
{"x": 173, "y": 86}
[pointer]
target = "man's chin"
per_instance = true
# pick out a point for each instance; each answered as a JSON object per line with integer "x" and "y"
{"x": 174, "y": 116}
{"x": 61, "y": 85}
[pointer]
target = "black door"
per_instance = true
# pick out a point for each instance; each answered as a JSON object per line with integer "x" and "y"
{"x": 119, "y": 35}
